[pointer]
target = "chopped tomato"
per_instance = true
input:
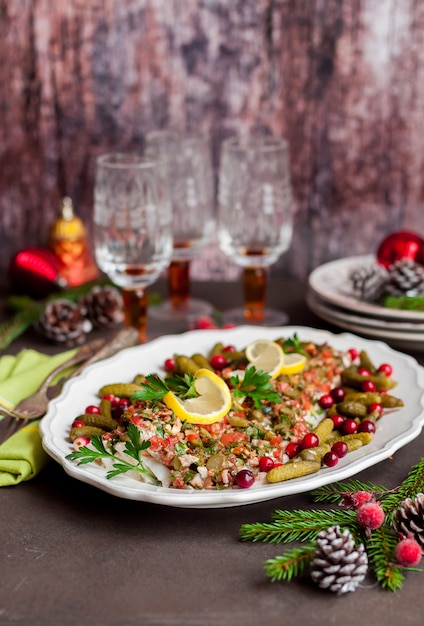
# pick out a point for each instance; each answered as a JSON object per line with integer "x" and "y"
{"x": 235, "y": 437}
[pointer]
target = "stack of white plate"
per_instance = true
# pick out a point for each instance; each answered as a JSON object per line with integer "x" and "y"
{"x": 331, "y": 297}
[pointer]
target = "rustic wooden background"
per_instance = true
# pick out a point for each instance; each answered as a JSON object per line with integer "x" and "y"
{"x": 343, "y": 80}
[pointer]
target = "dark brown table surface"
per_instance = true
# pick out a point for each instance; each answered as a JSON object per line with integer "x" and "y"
{"x": 72, "y": 554}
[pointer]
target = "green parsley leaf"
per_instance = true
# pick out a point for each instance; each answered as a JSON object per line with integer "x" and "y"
{"x": 257, "y": 385}
{"x": 182, "y": 386}
{"x": 293, "y": 344}
{"x": 153, "y": 389}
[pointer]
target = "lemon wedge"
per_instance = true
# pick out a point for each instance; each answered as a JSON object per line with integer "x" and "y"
{"x": 266, "y": 355}
{"x": 211, "y": 405}
{"x": 293, "y": 363}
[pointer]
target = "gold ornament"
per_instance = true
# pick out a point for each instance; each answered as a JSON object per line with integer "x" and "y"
{"x": 68, "y": 240}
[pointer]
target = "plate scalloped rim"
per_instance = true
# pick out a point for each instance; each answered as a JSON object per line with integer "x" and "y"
{"x": 80, "y": 391}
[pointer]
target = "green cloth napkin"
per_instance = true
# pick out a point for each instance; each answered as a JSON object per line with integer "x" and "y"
{"x": 22, "y": 456}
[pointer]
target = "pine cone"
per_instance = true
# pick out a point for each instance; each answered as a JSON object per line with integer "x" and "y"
{"x": 406, "y": 277}
{"x": 63, "y": 322}
{"x": 338, "y": 565}
{"x": 103, "y": 306}
{"x": 409, "y": 518}
{"x": 369, "y": 282}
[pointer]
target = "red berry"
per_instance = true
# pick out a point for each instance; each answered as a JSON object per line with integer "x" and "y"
{"x": 92, "y": 410}
{"x": 326, "y": 401}
{"x": 229, "y": 348}
{"x": 356, "y": 499}
{"x": 330, "y": 459}
{"x": 310, "y": 440}
{"x": 376, "y": 408}
{"x": 266, "y": 463}
{"x": 386, "y": 369}
{"x": 204, "y": 323}
{"x": 370, "y": 515}
{"x": 112, "y": 399}
{"x": 366, "y": 426}
{"x": 293, "y": 449}
{"x": 338, "y": 420}
{"x": 354, "y": 354}
{"x": 79, "y": 442}
{"x": 408, "y": 552}
{"x": 244, "y": 479}
{"x": 363, "y": 372}
{"x": 368, "y": 385}
{"x": 340, "y": 448}
{"x": 78, "y": 424}
{"x": 218, "y": 362}
{"x": 169, "y": 365}
{"x": 338, "y": 394}
{"x": 349, "y": 426}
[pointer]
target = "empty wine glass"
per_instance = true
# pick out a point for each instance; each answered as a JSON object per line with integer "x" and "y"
{"x": 191, "y": 184}
{"x": 132, "y": 227}
{"x": 255, "y": 218}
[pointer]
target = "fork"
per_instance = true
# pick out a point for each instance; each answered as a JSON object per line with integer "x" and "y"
{"x": 35, "y": 406}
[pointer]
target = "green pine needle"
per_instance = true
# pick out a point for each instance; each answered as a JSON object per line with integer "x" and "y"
{"x": 334, "y": 493}
{"x": 410, "y": 487}
{"x": 380, "y": 548}
{"x": 292, "y": 564}
{"x": 296, "y": 525}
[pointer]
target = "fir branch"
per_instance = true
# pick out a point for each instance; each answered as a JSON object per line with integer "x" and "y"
{"x": 293, "y": 563}
{"x": 334, "y": 492}
{"x": 380, "y": 548}
{"x": 409, "y": 488}
{"x": 17, "y": 325}
{"x": 297, "y": 525}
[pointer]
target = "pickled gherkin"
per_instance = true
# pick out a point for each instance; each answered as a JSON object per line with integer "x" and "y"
{"x": 294, "y": 469}
{"x": 351, "y": 378}
{"x": 185, "y": 365}
{"x": 120, "y": 390}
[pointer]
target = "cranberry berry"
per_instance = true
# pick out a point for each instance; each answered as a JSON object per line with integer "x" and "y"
{"x": 340, "y": 448}
{"x": 92, "y": 409}
{"x": 349, "y": 426}
{"x": 266, "y": 463}
{"x": 338, "y": 394}
{"x": 386, "y": 369}
{"x": 326, "y": 401}
{"x": 362, "y": 371}
{"x": 330, "y": 459}
{"x": 375, "y": 408}
{"x": 366, "y": 426}
{"x": 338, "y": 421}
{"x": 244, "y": 479}
{"x": 218, "y": 362}
{"x": 293, "y": 449}
{"x": 368, "y": 385}
{"x": 310, "y": 440}
{"x": 169, "y": 365}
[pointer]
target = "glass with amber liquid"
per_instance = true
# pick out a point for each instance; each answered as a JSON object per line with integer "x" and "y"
{"x": 191, "y": 185}
{"x": 132, "y": 227}
{"x": 255, "y": 218}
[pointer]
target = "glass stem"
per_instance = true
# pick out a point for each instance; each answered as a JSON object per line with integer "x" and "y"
{"x": 254, "y": 288}
{"x": 135, "y": 310}
{"x": 179, "y": 283}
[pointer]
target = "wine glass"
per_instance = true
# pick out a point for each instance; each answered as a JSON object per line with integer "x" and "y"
{"x": 255, "y": 218}
{"x": 132, "y": 227}
{"x": 191, "y": 184}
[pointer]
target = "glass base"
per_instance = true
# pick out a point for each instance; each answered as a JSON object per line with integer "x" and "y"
{"x": 190, "y": 312}
{"x": 271, "y": 317}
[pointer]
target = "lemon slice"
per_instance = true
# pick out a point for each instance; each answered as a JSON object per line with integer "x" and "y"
{"x": 293, "y": 363}
{"x": 211, "y": 405}
{"x": 266, "y": 355}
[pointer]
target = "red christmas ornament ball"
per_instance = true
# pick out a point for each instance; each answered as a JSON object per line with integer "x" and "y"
{"x": 401, "y": 245}
{"x": 35, "y": 272}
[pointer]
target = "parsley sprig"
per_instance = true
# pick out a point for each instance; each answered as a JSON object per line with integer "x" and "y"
{"x": 133, "y": 447}
{"x": 294, "y": 344}
{"x": 155, "y": 389}
{"x": 257, "y": 385}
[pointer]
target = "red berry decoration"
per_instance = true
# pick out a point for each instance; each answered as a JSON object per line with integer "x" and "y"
{"x": 338, "y": 421}
{"x": 349, "y": 426}
{"x": 78, "y": 424}
{"x": 363, "y": 372}
{"x": 169, "y": 365}
{"x": 266, "y": 463}
{"x": 356, "y": 499}
{"x": 293, "y": 449}
{"x": 338, "y": 394}
{"x": 375, "y": 408}
{"x": 366, "y": 426}
{"x": 330, "y": 459}
{"x": 408, "y": 552}
{"x": 229, "y": 348}
{"x": 92, "y": 409}
{"x": 370, "y": 515}
{"x": 80, "y": 442}
{"x": 401, "y": 245}
{"x": 354, "y": 354}
{"x": 310, "y": 440}
{"x": 340, "y": 448}
{"x": 326, "y": 401}
{"x": 112, "y": 399}
{"x": 244, "y": 479}
{"x": 368, "y": 385}
{"x": 218, "y": 362}
{"x": 386, "y": 369}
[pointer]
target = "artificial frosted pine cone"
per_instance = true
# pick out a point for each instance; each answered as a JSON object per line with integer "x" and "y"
{"x": 405, "y": 277}
{"x": 338, "y": 564}
{"x": 103, "y": 306}
{"x": 409, "y": 518}
{"x": 369, "y": 282}
{"x": 63, "y": 322}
